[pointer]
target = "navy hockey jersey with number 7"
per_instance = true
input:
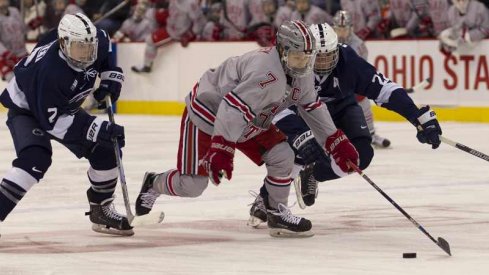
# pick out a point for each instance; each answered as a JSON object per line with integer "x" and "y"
{"x": 48, "y": 87}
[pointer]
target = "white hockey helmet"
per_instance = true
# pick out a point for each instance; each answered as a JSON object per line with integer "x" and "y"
{"x": 343, "y": 25}
{"x": 78, "y": 40}
{"x": 327, "y": 48}
{"x": 295, "y": 45}
{"x": 461, "y": 5}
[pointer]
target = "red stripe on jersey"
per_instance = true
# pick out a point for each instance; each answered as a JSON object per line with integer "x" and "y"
{"x": 305, "y": 33}
{"x": 234, "y": 101}
{"x": 200, "y": 109}
{"x": 312, "y": 106}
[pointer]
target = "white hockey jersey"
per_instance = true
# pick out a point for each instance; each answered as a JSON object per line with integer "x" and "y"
{"x": 255, "y": 8}
{"x": 358, "y": 45}
{"x": 239, "y": 99}
{"x": 235, "y": 18}
{"x": 12, "y": 33}
{"x": 284, "y": 13}
{"x": 184, "y": 15}
{"x": 315, "y": 15}
{"x": 137, "y": 31}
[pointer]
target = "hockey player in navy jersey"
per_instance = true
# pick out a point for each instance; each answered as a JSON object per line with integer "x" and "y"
{"x": 340, "y": 74}
{"x": 43, "y": 100}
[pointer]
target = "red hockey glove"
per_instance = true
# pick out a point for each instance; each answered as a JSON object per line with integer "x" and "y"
{"x": 364, "y": 33}
{"x": 342, "y": 151}
{"x": 218, "y": 161}
{"x": 186, "y": 38}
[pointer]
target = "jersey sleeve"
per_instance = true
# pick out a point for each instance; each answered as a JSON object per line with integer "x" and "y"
{"x": 315, "y": 113}
{"x": 482, "y": 31}
{"x": 375, "y": 86}
{"x": 257, "y": 88}
{"x": 105, "y": 54}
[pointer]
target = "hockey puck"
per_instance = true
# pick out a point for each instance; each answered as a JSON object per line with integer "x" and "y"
{"x": 409, "y": 255}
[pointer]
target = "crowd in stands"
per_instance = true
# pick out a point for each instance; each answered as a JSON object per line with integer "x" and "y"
{"x": 241, "y": 19}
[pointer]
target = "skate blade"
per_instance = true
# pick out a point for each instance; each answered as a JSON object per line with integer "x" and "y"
{"x": 297, "y": 186}
{"x": 148, "y": 219}
{"x": 284, "y": 233}
{"x": 254, "y": 221}
{"x": 100, "y": 228}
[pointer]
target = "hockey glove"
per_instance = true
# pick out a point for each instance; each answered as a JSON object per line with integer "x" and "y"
{"x": 341, "y": 150}
{"x": 110, "y": 84}
{"x": 104, "y": 133}
{"x": 218, "y": 161}
{"x": 308, "y": 148}
{"x": 429, "y": 129}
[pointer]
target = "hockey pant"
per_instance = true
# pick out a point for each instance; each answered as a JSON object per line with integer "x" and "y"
{"x": 190, "y": 179}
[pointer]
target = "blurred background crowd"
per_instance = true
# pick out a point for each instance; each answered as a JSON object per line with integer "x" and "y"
{"x": 134, "y": 20}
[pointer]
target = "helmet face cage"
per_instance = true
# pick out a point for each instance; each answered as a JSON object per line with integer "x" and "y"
{"x": 327, "y": 45}
{"x": 78, "y": 40}
{"x": 342, "y": 24}
{"x": 296, "y": 47}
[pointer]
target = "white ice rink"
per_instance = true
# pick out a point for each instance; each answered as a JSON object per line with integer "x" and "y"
{"x": 357, "y": 230}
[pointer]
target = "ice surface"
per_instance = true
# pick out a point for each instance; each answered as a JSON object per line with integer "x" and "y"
{"x": 357, "y": 230}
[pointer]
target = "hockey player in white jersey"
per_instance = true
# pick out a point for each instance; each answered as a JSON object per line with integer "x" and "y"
{"x": 184, "y": 24}
{"x": 344, "y": 29}
{"x": 12, "y": 39}
{"x": 231, "y": 108}
{"x": 469, "y": 21}
{"x": 309, "y": 13}
{"x": 235, "y": 19}
{"x": 365, "y": 15}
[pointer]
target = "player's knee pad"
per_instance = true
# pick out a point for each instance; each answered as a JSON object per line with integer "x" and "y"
{"x": 365, "y": 151}
{"x": 34, "y": 160}
{"x": 102, "y": 158}
{"x": 279, "y": 160}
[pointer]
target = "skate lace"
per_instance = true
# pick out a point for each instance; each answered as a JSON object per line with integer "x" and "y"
{"x": 312, "y": 185}
{"x": 258, "y": 202}
{"x": 149, "y": 198}
{"x": 287, "y": 215}
{"x": 110, "y": 212}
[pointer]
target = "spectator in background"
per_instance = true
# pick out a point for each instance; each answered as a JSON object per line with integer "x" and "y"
{"x": 365, "y": 15}
{"x": 284, "y": 13}
{"x": 76, "y": 7}
{"x": 12, "y": 41}
{"x": 213, "y": 30}
{"x": 235, "y": 19}
{"x": 113, "y": 22}
{"x": 33, "y": 18}
{"x": 310, "y": 14}
{"x": 137, "y": 27}
{"x": 54, "y": 11}
{"x": 469, "y": 21}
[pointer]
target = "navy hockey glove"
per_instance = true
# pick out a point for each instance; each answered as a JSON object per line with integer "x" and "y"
{"x": 110, "y": 84}
{"x": 103, "y": 133}
{"x": 429, "y": 129}
{"x": 308, "y": 148}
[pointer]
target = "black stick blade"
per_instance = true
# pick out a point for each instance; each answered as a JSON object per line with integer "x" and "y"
{"x": 443, "y": 244}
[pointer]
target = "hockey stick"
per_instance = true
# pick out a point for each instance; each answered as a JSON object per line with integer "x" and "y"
{"x": 423, "y": 84}
{"x": 465, "y": 148}
{"x": 112, "y": 11}
{"x": 151, "y": 218}
{"x": 442, "y": 243}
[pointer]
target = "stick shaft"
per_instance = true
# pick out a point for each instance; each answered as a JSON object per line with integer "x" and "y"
{"x": 464, "y": 148}
{"x": 122, "y": 176}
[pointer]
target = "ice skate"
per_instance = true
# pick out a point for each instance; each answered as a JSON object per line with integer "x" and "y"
{"x": 258, "y": 212}
{"x": 106, "y": 220}
{"x": 380, "y": 142}
{"x": 141, "y": 69}
{"x": 306, "y": 187}
{"x": 147, "y": 195}
{"x": 283, "y": 224}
